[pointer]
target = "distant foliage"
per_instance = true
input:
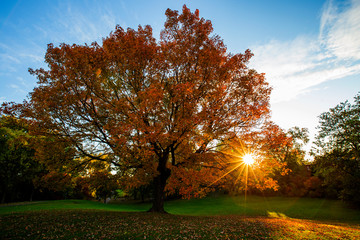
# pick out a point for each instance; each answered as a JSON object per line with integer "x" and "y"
{"x": 337, "y": 158}
{"x": 18, "y": 167}
{"x": 297, "y": 182}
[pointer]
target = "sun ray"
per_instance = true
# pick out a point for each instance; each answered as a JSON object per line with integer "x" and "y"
{"x": 240, "y": 172}
{"x": 238, "y": 158}
{"x": 252, "y": 171}
{"x": 233, "y": 169}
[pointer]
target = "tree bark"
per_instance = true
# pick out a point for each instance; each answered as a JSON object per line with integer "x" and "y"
{"x": 159, "y": 186}
{"x": 31, "y": 194}
{"x": 3, "y": 197}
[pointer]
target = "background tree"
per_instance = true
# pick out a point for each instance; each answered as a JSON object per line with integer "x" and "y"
{"x": 337, "y": 158}
{"x": 239, "y": 176}
{"x": 149, "y": 108}
{"x": 18, "y": 167}
{"x": 296, "y": 181}
{"x": 279, "y": 159}
{"x": 103, "y": 184}
{"x": 100, "y": 181}
{"x": 32, "y": 166}
{"x": 56, "y": 184}
{"x": 280, "y": 166}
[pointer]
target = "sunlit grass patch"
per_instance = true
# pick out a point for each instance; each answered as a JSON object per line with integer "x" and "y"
{"x": 303, "y": 208}
{"x": 306, "y": 229}
{"x": 277, "y": 215}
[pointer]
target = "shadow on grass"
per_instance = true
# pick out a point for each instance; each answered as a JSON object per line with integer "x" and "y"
{"x": 100, "y": 224}
{"x": 94, "y": 224}
{"x": 302, "y": 208}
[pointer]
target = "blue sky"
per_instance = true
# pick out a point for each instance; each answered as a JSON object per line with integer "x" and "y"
{"x": 309, "y": 50}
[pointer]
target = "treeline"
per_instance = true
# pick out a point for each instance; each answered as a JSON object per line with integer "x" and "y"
{"x": 337, "y": 152}
{"x": 37, "y": 168}
{"x": 335, "y": 169}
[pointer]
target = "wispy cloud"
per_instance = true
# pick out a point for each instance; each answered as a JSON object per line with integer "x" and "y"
{"x": 17, "y": 88}
{"x": 7, "y": 57}
{"x": 341, "y": 32}
{"x": 83, "y": 25}
{"x": 24, "y": 44}
{"x": 14, "y": 54}
{"x": 295, "y": 66}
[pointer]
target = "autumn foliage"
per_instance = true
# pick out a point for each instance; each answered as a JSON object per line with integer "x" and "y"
{"x": 156, "y": 110}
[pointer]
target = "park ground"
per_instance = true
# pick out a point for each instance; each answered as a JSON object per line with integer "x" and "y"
{"x": 221, "y": 217}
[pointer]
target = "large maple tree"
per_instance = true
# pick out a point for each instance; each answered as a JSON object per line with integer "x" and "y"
{"x": 150, "y": 108}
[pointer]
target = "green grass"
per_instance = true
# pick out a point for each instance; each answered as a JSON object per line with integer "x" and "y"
{"x": 71, "y": 204}
{"x": 222, "y": 217}
{"x": 302, "y": 208}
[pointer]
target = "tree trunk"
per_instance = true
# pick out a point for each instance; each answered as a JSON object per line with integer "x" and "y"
{"x": 142, "y": 194}
{"x": 31, "y": 194}
{"x": 159, "y": 186}
{"x": 3, "y": 197}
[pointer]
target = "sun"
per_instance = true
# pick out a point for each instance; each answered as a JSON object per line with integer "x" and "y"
{"x": 248, "y": 159}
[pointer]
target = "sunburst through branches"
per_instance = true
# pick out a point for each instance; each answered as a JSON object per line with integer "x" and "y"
{"x": 239, "y": 160}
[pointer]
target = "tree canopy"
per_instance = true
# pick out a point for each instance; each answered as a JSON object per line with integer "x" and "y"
{"x": 338, "y": 150}
{"x": 17, "y": 164}
{"x": 153, "y": 109}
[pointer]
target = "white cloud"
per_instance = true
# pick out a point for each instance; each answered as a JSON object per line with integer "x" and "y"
{"x": 4, "y": 46}
{"x": 327, "y": 17}
{"x": 15, "y": 54}
{"x": 17, "y": 88}
{"x": 32, "y": 57}
{"x": 8, "y": 57}
{"x": 63, "y": 21}
{"x": 293, "y": 67}
{"x": 342, "y": 32}
{"x": 73, "y": 24}
{"x": 14, "y": 86}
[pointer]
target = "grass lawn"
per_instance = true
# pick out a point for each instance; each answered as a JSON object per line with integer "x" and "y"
{"x": 209, "y": 218}
{"x": 71, "y": 204}
{"x": 302, "y": 208}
